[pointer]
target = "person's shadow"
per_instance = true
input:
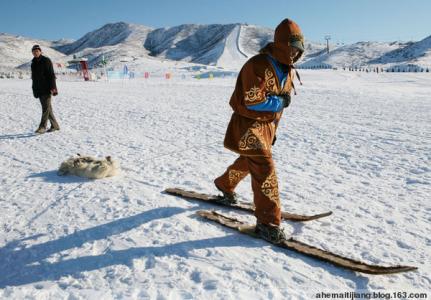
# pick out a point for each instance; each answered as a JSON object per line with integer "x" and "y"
{"x": 17, "y": 136}
{"x": 20, "y": 265}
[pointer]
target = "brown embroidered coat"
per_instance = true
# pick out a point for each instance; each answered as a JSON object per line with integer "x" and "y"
{"x": 250, "y": 133}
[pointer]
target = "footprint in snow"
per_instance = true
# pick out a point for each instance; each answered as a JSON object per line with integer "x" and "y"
{"x": 404, "y": 245}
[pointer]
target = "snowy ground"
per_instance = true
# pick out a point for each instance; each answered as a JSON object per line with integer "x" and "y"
{"x": 358, "y": 144}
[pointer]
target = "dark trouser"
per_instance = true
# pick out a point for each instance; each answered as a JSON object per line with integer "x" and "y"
{"x": 47, "y": 113}
{"x": 263, "y": 182}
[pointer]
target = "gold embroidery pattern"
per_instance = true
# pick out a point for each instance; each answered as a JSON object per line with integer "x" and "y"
{"x": 256, "y": 94}
{"x": 270, "y": 83}
{"x": 253, "y": 139}
{"x": 270, "y": 188}
{"x": 253, "y": 95}
{"x": 236, "y": 176}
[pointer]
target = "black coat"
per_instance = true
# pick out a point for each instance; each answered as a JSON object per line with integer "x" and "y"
{"x": 42, "y": 74}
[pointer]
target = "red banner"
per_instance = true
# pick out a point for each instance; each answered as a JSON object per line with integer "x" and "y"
{"x": 84, "y": 67}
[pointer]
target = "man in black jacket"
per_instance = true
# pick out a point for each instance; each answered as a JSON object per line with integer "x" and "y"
{"x": 42, "y": 74}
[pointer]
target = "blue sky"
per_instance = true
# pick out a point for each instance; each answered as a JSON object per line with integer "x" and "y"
{"x": 345, "y": 20}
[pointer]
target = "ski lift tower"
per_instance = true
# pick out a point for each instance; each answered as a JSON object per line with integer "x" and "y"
{"x": 327, "y": 38}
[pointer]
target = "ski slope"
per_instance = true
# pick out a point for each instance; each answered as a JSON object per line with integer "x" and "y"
{"x": 358, "y": 144}
{"x": 232, "y": 56}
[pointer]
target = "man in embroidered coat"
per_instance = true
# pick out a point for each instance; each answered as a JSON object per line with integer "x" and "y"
{"x": 261, "y": 93}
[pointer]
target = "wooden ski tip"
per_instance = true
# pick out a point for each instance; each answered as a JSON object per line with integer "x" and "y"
{"x": 205, "y": 213}
{"x": 388, "y": 270}
{"x": 173, "y": 191}
{"x": 303, "y": 218}
{"x": 187, "y": 194}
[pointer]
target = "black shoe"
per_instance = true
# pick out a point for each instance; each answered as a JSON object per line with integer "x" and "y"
{"x": 270, "y": 232}
{"x": 53, "y": 129}
{"x": 40, "y": 130}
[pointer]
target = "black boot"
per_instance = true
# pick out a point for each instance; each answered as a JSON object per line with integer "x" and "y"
{"x": 227, "y": 198}
{"x": 270, "y": 232}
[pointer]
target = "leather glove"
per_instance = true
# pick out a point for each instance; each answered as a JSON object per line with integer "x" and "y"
{"x": 286, "y": 99}
{"x": 54, "y": 92}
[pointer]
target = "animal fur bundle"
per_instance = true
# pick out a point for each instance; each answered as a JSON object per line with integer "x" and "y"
{"x": 89, "y": 167}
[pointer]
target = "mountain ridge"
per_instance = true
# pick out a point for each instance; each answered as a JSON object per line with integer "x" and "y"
{"x": 223, "y": 45}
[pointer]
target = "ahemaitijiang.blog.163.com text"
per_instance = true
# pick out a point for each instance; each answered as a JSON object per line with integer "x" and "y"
{"x": 371, "y": 295}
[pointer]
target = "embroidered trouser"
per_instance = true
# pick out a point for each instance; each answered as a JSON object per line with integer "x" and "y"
{"x": 47, "y": 113}
{"x": 263, "y": 181}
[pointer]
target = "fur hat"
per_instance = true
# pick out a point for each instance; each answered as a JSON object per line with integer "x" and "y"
{"x": 289, "y": 33}
{"x": 287, "y": 36}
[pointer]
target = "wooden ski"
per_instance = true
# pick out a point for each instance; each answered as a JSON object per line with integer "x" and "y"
{"x": 190, "y": 195}
{"x": 300, "y": 247}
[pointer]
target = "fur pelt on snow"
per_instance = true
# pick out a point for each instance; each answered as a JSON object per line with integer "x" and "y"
{"x": 89, "y": 167}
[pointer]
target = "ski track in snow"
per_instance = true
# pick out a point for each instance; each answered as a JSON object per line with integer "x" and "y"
{"x": 357, "y": 144}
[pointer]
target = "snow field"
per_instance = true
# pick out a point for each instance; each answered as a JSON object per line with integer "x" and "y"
{"x": 356, "y": 144}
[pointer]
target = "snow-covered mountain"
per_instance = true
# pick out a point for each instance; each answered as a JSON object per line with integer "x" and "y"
{"x": 253, "y": 38}
{"x": 312, "y": 50}
{"x": 203, "y": 44}
{"x": 227, "y": 46}
{"x": 358, "y": 54}
{"x": 418, "y": 53}
{"x": 16, "y": 50}
{"x": 109, "y": 35}
{"x": 61, "y": 42}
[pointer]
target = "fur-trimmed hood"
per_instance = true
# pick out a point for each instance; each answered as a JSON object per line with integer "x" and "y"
{"x": 287, "y": 35}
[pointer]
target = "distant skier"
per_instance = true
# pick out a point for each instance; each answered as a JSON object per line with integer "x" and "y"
{"x": 261, "y": 93}
{"x": 42, "y": 74}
